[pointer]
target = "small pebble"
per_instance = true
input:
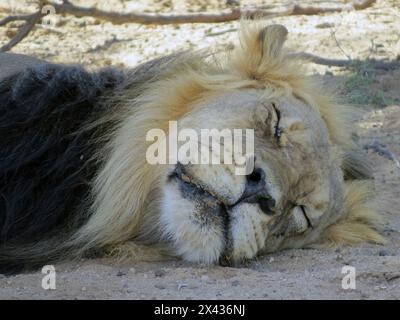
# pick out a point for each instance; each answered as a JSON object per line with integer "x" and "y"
{"x": 120, "y": 274}
{"x": 159, "y": 273}
{"x": 339, "y": 257}
{"x": 325, "y": 25}
{"x": 235, "y": 283}
{"x": 383, "y": 253}
{"x": 205, "y": 277}
{"x": 159, "y": 286}
{"x": 132, "y": 270}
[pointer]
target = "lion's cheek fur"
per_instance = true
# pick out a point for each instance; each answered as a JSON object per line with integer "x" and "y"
{"x": 248, "y": 229}
{"x": 195, "y": 235}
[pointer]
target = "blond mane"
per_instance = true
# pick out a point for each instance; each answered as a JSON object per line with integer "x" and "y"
{"x": 124, "y": 183}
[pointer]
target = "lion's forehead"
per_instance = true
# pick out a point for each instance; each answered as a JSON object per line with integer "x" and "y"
{"x": 238, "y": 108}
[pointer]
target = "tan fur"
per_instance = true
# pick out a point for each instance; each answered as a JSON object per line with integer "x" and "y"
{"x": 125, "y": 182}
{"x": 360, "y": 220}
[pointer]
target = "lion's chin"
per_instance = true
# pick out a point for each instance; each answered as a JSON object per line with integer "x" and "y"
{"x": 194, "y": 223}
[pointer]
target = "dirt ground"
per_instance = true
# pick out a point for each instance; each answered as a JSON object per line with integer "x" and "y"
{"x": 292, "y": 274}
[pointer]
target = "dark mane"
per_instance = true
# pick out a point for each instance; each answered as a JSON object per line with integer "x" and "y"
{"x": 45, "y": 165}
{"x": 54, "y": 121}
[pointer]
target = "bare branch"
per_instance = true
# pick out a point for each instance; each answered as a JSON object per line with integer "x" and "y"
{"x": 300, "y": 9}
{"x": 339, "y": 46}
{"x": 31, "y": 20}
{"x": 377, "y": 64}
{"x": 9, "y": 19}
{"x": 224, "y": 16}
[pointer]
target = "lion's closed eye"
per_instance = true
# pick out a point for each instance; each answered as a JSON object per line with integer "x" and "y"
{"x": 278, "y": 125}
{"x": 298, "y": 222}
{"x": 268, "y": 117}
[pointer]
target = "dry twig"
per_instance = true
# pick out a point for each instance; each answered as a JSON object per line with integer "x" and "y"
{"x": 30, "y": 21}
{"x": 376, "y": 64}
{"x": 202, "y": 17}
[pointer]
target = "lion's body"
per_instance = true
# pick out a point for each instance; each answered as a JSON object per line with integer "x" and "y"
{"x": 72, "y": 172}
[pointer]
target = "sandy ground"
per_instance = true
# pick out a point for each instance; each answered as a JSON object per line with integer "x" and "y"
{"x": 292, "y": 274}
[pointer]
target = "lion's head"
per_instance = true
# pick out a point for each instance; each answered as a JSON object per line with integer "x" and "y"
{"x": 303, "y": 188}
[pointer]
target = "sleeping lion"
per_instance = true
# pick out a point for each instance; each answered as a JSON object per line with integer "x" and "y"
{"x": 75, "y": 180}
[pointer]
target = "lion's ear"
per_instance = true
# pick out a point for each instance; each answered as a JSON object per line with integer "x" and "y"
{"x": 271, "y": 40}
{"x": 260, "y": 51}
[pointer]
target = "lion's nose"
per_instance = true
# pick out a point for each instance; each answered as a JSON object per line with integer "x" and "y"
{"x": 255, "y": 185}
{"x": 256, "y": 191}
{"x": 256, "y": 177}
{"x": 255, "y": 188}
